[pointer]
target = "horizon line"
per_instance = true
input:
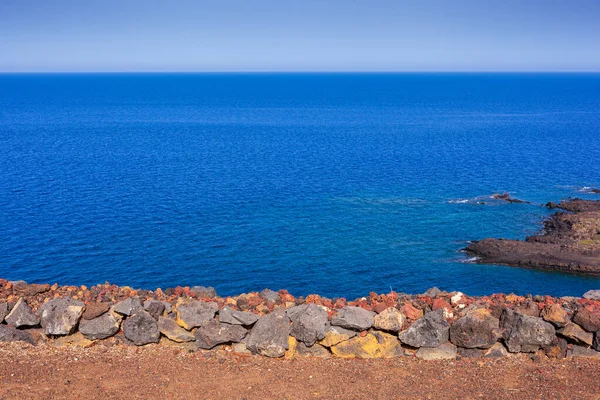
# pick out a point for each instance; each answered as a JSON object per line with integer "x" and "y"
{"x": 232, "y": 72}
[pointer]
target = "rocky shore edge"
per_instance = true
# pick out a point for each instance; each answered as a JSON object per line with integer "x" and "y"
{"x": 569, "y": 242}
{"x": 429, "y": 326}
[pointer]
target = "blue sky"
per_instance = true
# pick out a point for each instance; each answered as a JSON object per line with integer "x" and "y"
{"x": 299, "y": 35}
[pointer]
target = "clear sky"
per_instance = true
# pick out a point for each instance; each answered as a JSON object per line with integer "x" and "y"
{"x": 299, "y": 35}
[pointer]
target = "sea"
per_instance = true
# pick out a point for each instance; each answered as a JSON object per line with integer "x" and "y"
{"x": 336, "y": 184}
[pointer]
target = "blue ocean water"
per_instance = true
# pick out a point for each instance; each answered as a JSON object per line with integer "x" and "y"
{"x": 337, "y": 184}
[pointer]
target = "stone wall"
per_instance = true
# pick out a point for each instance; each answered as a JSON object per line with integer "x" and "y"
{"x": 433, "y": 325}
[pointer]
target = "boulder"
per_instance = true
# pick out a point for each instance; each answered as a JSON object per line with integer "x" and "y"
{"x": 271, "y": 296}
{"x": 208, "y": 292}
{"x": 102, "y": 327}
{"x": 22, "y": 315}
{"x": 141, "y": 328}
{"x": 523, "y": 333}
{"x": 587, "y": 319}
{"x": 234, "y": 317}
{"x": 373, "y": 345}
{"x": 315, "y": 350}
{"x": 173, "y": 331}
{"x": 335, "y": 335}
{"x": 192, "y": 314}
{"x": 477, "y": 329}
{"x": 213, "y": 333}
{"x": 446, "y": 351}
{"x": 430, "y": 331}
{"x": 75, "y": 340}
{"x": 557, "y": 349}
{"x": 530, "y": 308}
{"x": 356, "y": 318}
{"x": 576, "y": 334}
{"x": 94, "y": 310}
{"x": 11, "y": 334}
{"x": 390, "y": 320}
{"x": 154, "y": 307}
{"x": 432, "y": 292}
{"x": 578, "y": 351}
{"x": 269, "y": 336}
{"x": 496, "y": 351}
{"x": 60, "y": 316}
{"x": 129, "y": 306}
{"x": 3, "y": 311}
{"x": 596, "y": 342}
{"x": 556, "y": 315}
{"x": 308, "y": 323}
{"x": 592, "y": 295}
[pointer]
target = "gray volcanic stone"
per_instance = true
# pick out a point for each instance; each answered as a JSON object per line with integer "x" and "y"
{"x": 270, "y": 295}
{"x": 313, "y": 351}
{"x": 154, "y": 307}
{"x": 202, "y": 291}
{"x": 429, "y": 331}
{"x": 523, "y": 333}
{"x": 141, "y": 328}
{"x": 530, "y": 308}
{"x": 60, "y": 316}
{"x": 308, "y": 323}
{"x": 446, "y": 351}
{"x": 269, "y": 336}
{"x": 432, "y": 292}
{"x": 213, "y": 333}
{"x": 129, "y": 306}
{"x": 3, "y": 311}
{"x": 596, "y": 343}
{"x": 12, "y": 334}
{"x": 390, "y": 320}
{"x": 356, "y": 318}
{"x": 173, "y": 331}
{"x": 234, "y": 317}
{"x": 195, "y": 313}
{"x": 477, "y": 329}
{"x": 102, "y": 327}
{"x": 592, "y": 295}
{"x": 578, "y": 351}
{"x": 22, "y": 315}
{"x": 496, "y": 351}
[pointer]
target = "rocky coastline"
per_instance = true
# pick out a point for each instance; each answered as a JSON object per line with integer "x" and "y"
{"x": 569, "y": 242}
{"x": 430, "y": 326}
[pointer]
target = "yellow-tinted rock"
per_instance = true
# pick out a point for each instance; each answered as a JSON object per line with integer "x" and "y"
{"x": 75, "y": 340}
{"x": 373, "y": 345}
{"x": 336, "y": 335}
{"x": 292, "y": 345}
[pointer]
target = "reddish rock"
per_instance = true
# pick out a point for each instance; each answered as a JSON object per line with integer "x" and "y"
{"x": 340, "y": 303}
{"x": 529, "y": 308}
{"x": 588, "y": 318}
{"x": 379, "y": 307}
{"x": 94, "y": 310}
{"x": 555, "y": 314}
{"x": 411, "y": 312}
{"x": 31, "y": 289}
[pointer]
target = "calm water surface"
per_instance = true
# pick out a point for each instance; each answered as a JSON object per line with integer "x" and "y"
{"x": 336, "y": 184}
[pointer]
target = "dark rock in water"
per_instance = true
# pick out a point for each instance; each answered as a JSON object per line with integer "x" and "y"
{"x": 3, "y": 311}
{"x": 192, "y": 314}
{"x": 129, "y": 306}
{"x": 155, "y": 308}
{"x": 523, "y": 333}
{"x": 587, "y": 320}
{"x": 506, "y": 197}
{"x": 269, "y": 336}
{"x": 308, "y": 323}
{"x": 102, "y": 327}
{"x": 356, "y": 318}
{"x": 213, "y": 333}
{"x": 141, "y": 328}
{"x": 173, "y": 331}
{"x": 94, "y": 310}
{"x": 234, "y": 317}
{"x": 208, "y": 292}
{"x": 477, "y": 329}
{"x": 271, "y": 295}
{"x": 22, "y": 315}
{"x": 11, "y": 334}
{"x": 429, "y": 331}
{"x": 576, "y": 205}
{"x": 592, "y": 295}
{"x": 60, "y": 316}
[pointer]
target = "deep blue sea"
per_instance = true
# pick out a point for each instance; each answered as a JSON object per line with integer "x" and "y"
{"x": 337, "y": 184}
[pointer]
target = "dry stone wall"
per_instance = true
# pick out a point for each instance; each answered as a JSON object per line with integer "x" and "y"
{"x": 430, "y": 326}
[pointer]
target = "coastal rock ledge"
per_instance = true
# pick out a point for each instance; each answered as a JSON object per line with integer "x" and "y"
{"x": 569, "y": 242}
{"x": 430, "y": 326}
